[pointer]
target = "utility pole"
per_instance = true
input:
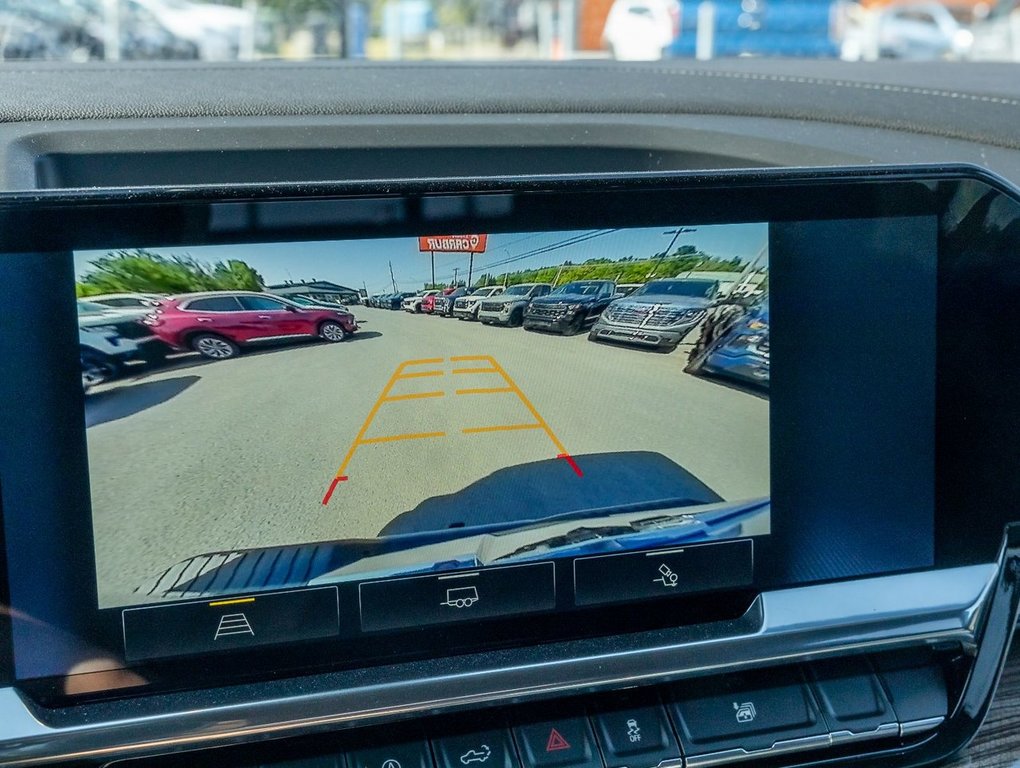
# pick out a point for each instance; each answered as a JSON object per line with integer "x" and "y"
{"x": 433, "y": 255}
{"x": 471, "y": 265}
{"x": 676, "y": 233}
{"x": 455, "y": 271}
{"x": 559, "y": 272}
{"x": 392, "y": 279}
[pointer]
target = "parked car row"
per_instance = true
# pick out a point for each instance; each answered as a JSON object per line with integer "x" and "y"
{"x": 733, "y": 340}
{"x": 118, "y": 329}
{"x": 111, "y": 335}
{"x": 145, "y": 29}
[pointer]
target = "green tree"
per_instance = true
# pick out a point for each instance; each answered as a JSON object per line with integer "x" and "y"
{"x": 147, "y": 272}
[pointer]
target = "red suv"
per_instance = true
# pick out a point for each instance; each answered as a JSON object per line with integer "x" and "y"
{"x": 428, "y": 304}
{"x": 216, "y": 324}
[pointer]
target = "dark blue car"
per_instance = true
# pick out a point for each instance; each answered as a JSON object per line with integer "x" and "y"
{"x": 734, "y": 342}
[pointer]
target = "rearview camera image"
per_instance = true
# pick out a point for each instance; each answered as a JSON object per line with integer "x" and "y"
{"x": 270, "y": 416}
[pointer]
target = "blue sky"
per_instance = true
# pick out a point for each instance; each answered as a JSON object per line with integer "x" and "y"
{"x": 363, "y": 263}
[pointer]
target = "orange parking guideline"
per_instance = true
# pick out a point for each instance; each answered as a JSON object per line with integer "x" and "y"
{"x": 413, "y": 396}
{"x": 359, "y": 439}
{"x": 408, "y": 436}
{"x": 420, "y": 375}
{"x": 527, "y": 404}
{"x": 399, "y": 374}
{"x": 500, "y": 428}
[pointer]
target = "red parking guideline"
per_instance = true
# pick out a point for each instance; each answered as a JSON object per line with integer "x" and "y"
{"x": 572, "y": 463}
{"x": 332, "y": 487}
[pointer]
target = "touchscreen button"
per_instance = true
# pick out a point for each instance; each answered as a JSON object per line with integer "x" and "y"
{"x": 230, "y": 623}
{"x": 663, "y": 573}
{"x": 457, "y": 596}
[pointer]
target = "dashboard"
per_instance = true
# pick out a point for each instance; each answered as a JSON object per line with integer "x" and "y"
{"x": 594, "y": 542}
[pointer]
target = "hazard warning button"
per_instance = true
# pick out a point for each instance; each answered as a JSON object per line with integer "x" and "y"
{"x": 561, "y": 742}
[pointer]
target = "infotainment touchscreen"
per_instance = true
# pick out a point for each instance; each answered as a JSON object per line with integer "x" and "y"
{"x": 292, "y": 429}
{"x": 288, "y": 415}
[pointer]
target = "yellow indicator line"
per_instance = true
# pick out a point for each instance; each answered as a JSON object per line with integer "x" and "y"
{"x": 501, "y": 428}
{"x": 413, "y": 396}
{"x": 424, "y": 361}
{"x": 484, "y": 391}
{"x": 467, "y": 358}
{"x": 409, "y": 436}
{"x": 475, "y": 370}
{"x": 527, "y": 404}
{"x": 420, "y": 374}
{"x": 232, "y": 602}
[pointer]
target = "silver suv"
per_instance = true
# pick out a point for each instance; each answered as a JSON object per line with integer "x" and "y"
{"x": 508, "y": 307}
{"x": 658, "y": 314}
{"x": 466, "y": 307}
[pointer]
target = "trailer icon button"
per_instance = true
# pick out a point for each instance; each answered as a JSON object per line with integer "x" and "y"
{"x": 453, "y": 596}
{"x": 461, "y": 597}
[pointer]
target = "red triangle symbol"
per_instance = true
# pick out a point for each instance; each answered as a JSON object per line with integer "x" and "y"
{"x": 556, "y": 742}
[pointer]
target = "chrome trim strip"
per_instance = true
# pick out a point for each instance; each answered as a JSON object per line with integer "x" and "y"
{"x": 797, "y": 624}
{"x": 779, "y": 748}
{"x": 882, "y": 731}
{"x": 915, "y": 727}
{"x": 820, "y": 741}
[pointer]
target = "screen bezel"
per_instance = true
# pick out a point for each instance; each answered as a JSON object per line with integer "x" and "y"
{"x": 61, "y": 221}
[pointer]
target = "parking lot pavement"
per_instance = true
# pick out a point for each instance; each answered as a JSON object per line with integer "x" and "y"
{"x": 315, "y": 441}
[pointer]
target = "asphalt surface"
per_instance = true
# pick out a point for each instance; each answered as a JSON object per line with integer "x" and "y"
{"x": 206, "y": 456}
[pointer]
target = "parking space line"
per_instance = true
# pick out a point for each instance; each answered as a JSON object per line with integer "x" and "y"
{"x": 402, "y": 373}
{"x": 413, "y": 396}
{"x": 396, "y": 376}
{"x": 420, "y": 374}
{"x": 500, "y": 428}
{"x": 563, "y": 453}
{"x": 408, "y": 436}
{"x": 527, "y": 404}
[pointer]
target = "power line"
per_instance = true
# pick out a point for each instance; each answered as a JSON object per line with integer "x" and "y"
{"x": 565, "y": 243}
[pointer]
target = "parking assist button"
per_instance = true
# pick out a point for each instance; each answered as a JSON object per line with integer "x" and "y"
{"x": 663, "y": 573}
{"x": 750, "y": 712}
{"x": 560, "y": 742}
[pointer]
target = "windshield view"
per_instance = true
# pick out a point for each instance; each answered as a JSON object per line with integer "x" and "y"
{"x": 286, "y": 415}
{"x": 628, "y": 30}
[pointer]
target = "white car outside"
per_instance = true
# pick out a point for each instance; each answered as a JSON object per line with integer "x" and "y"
{"x": 640, "y": 30}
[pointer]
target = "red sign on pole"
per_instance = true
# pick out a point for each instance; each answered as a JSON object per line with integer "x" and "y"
{"x": 453, "y": 243}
